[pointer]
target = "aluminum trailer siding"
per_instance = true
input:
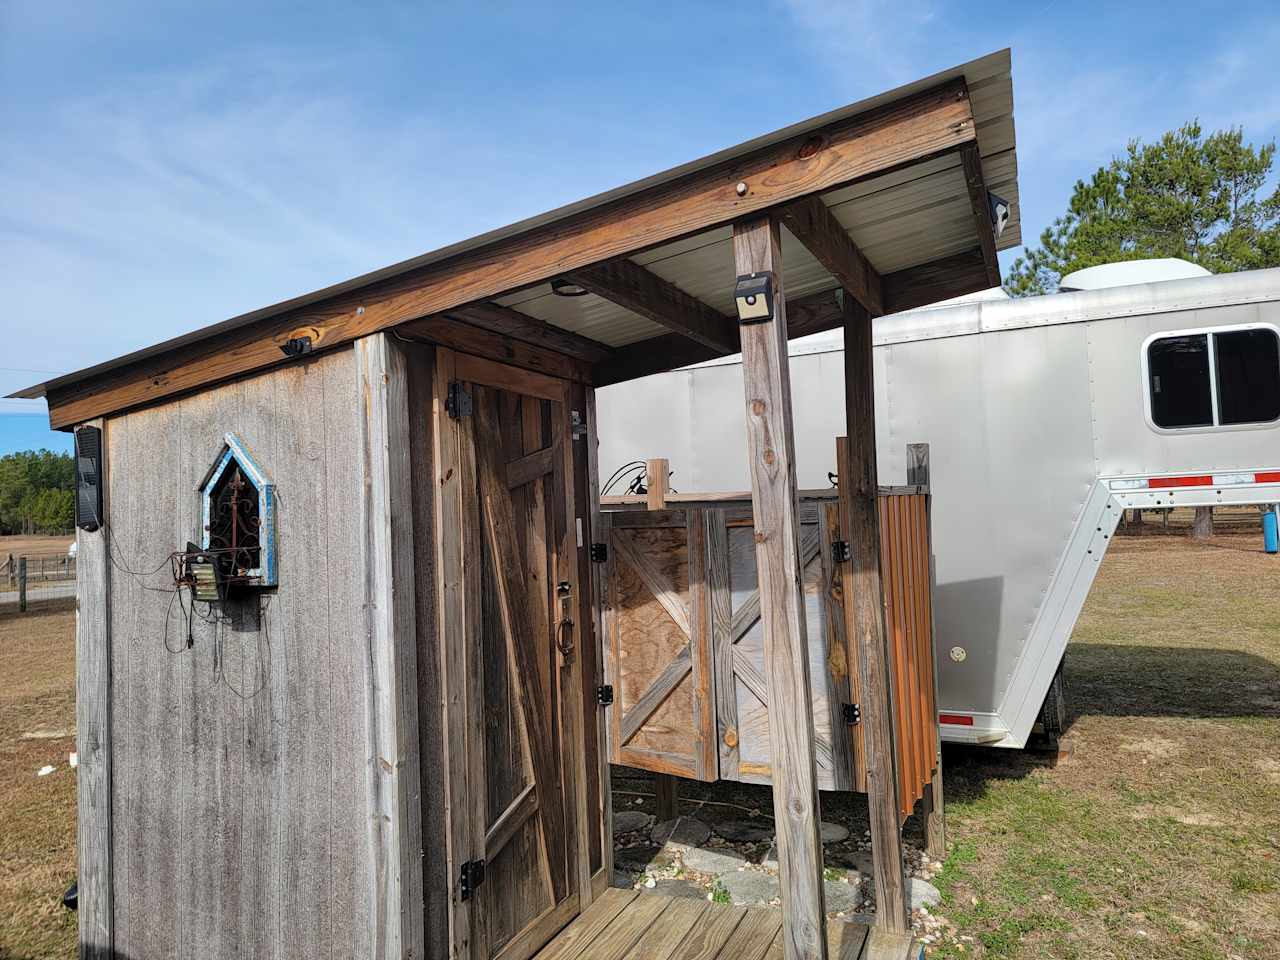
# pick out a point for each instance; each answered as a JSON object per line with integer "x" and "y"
{"x": 1038, "y": 418}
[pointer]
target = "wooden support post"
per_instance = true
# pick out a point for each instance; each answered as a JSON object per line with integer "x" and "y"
{"x": 771, "y": 458}
{"x": 864, "y": 614}
{"x": 94, "y": 896}
{"x": 667, "y": 790}
{"x": 22, "y": 584}
{"x": 657, "y": 473}
{"x": 935, "y": 820}
{"x": 392, "y": 772}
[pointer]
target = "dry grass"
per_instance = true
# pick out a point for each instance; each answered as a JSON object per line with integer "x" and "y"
{"x": 1159, "y": 837}
{"x": 37, "y": 814}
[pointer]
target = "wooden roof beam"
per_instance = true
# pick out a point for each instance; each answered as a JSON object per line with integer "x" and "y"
{"x": 977, "y": 184}
{"x": 809, "y": 314}
{"x": 642, "y": 291}
{"x": 814, "y": 225}
{"x": 941, "y": 279}
{"x": 512, "y": 323}
{"x": 907, "y": 289}
{"x": 816, "y": 160}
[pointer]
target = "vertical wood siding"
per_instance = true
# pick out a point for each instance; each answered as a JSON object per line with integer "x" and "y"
{"x": 238, "y": 794}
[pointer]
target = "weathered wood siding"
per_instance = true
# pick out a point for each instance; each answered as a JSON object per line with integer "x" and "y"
{"x": 239, "y": 807}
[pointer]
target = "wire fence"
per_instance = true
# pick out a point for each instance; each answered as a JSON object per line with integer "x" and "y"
{"x": 33, "y": 581}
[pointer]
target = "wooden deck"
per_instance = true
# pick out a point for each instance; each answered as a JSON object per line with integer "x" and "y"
{"x": 625, "y": 925}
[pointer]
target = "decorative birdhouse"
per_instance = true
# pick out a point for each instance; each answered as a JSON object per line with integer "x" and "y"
{"x": 238, "y": 513}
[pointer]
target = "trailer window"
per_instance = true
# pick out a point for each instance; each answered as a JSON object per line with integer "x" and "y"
{"x": 1214, "y": 379}
{"x": 1181, "y": 395}
{"x": 1248, "y": 376}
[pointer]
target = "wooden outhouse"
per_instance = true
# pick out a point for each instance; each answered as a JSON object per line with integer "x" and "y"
{"x": 339, "y": 633}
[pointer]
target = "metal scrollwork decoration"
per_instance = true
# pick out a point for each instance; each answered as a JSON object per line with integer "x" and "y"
{"x": 238, "y": 503}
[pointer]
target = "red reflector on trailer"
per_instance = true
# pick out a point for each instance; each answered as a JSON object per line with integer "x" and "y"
{"x": 1180, "y": 482}
{"x": 1272, "y": 477}
{"x": 955, "y": 718}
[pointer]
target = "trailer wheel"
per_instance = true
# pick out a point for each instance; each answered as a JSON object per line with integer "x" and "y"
{"x": 1053, "y": 712}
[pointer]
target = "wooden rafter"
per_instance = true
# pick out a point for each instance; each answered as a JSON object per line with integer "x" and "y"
{"x": 817, "y": 160}
{"x": 814, "y": 225}
{"x": 811, "y": 314}
{"x": 512, "y": 323}
{"x": 906, "y": 289}
{"x": 941, "y": 279}
{"x": 971, "y": 160}
{"x": 642, "y": 291}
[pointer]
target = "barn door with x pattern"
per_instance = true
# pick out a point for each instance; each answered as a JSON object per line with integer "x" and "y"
{"x": 524, "y": 696}
{"x": 658, "y": 645}
{"x": 742, "y": 698}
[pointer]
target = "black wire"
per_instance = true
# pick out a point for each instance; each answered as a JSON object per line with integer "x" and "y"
{"x": 617, "y": 474}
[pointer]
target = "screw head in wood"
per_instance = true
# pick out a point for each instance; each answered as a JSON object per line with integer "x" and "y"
{"x": 741, "y": 188}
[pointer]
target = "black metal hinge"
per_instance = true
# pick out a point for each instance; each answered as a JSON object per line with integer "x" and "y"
{"x": 840, "y": 552}
{"x": 458, "y": 402}
{"x": 604, "y": 695}
{"x": 852, "y": 714}
{"x": 472, "y": 877}
{"x": 599, "y": 553}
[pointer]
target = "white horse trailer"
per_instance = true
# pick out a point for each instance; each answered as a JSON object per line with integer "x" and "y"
{"x": 1046, "y": 418}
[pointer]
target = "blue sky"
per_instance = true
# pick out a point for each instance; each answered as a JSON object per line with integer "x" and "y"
{"x": 166, "y": 166}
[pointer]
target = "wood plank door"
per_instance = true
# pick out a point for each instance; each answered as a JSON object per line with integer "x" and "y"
{"x": 525, "y": 767}
{"x": 658, "y": 644}
{"x": 742, "y": 694}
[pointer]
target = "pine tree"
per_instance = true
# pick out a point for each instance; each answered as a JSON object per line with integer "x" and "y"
{"x": 1189, "y": 196}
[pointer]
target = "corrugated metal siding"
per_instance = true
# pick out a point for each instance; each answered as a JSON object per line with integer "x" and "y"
{"x": 905, "y": 573}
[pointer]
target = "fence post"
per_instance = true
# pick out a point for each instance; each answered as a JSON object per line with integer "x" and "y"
{"x": 22, "y": 584}
{"x": 12, "y": 572}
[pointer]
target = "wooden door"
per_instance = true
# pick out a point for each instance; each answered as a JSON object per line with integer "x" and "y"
{"x": 658, "y": 644}
{"x": 742, "y": 696}
{"x": 524, "y": 712}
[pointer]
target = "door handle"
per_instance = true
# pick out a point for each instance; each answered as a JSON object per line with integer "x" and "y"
{"x": 564, "y": 627}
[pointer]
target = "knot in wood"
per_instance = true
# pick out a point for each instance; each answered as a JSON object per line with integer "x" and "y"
{"x": 769, "y": 457}
{"x": 760, "y": 536}
{"x": 810, "y": 147}
{"x": 758, "y": 407}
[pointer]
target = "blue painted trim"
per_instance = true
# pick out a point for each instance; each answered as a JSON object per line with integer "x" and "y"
{"x": 234, "y": 448}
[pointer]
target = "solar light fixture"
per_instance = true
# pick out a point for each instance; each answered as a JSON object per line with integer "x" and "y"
{"x": 1001, "y": 210}
{"x": 203, "y": 575}
{"x": 753, "y": 295}
{"x": 567, "y": 288}
{"x": 89, "y": 478}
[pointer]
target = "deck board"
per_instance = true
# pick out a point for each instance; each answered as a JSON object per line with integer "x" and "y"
{"x": 624, "y": 925}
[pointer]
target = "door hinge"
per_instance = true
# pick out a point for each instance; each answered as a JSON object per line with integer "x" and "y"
{"x": 577, "y": 426}
{"x": 599, "y": 553}
{"x": 604, "y": 695}
{"x": 852, "y": 714}
{"x": 472, "y": 877}
{"x": 458, "y": 402}
{"x": 840, "y": 552}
